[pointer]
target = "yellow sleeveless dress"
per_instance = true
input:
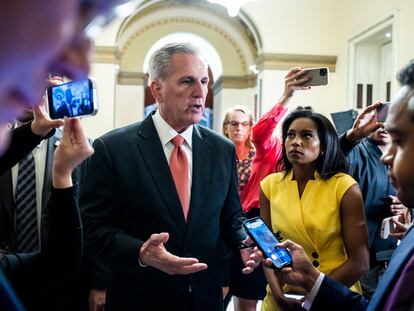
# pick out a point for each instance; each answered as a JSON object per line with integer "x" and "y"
{"x": 313, "y": 221}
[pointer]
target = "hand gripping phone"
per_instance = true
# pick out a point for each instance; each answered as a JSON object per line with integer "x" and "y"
{"x": 319, "y": 76}
{"x": 266, "y": 241}
{"x": 382, "y": 111}
{"x": 72, "y": 99}
{"x": 388, "y": 226}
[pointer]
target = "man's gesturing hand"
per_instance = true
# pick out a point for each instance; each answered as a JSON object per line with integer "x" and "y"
{"x": 154, "y": 254}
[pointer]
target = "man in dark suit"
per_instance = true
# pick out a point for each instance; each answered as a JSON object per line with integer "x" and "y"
{"x": 395, "y": 290}
{"x": 60, "y": 256}
{"x": 162, "y": 240}
{"x": 44, "y": 160}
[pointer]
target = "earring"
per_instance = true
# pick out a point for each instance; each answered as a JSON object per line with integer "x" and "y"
{"x": 322, "y": 153}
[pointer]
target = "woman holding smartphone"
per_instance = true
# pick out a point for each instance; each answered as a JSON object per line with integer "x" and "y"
{"x": 259, "y": 153}
{"x": 314, "y": 203}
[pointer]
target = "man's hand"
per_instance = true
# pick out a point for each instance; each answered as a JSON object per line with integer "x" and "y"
{"x": 397, "y": 208}
{"x": 154, "y": 254}
{"x": 302, "y": 273}
{"x": 97, "y": 300}
{"x": 401, "y": 224}
{"x": 250, "y": 257}
{"x": 42, "y": 124}
{"x": 365, "y": 124}
{"x": 73, "y": 149}
{"x": 293, "y": 81}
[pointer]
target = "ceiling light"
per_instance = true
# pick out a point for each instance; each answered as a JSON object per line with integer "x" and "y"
{"x": 232, "y": 6}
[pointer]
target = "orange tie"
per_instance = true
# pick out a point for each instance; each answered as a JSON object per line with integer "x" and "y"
{"x": 179, "y": 171}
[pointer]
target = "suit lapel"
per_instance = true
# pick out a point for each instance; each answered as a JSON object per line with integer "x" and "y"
{"x": 201, "y": 171}
{"x": 152, "y": 152}
{"x": 400, "y": 257}
{"x": 6, "y": 193}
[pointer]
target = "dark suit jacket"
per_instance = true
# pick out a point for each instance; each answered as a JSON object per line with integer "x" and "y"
{"x": 69, "y": 288}
{"x": 129, "y": 194}
{"x": 7, "y": 204}
{"x": 335, "y": 296}
{"x": 30, "y": 273}
{"x": 18, "y": 150}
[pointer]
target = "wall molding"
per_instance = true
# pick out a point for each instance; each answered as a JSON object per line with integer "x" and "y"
{"x": 234, "y": 82}
{"x": 287, "y": 61}
{"x": 191, "y": 21}
{"x": 106, "y": 54}
{"x": 131, "y": 78}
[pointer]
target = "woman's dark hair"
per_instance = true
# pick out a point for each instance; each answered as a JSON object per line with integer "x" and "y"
{"x": 331, "y": 159}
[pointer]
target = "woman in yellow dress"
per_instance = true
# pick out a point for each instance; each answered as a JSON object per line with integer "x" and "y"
{"x": 316, "y": 204}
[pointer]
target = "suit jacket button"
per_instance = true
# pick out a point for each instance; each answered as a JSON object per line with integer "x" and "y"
{"x": 315, "y": 263}
{"x": 315, "y": 255}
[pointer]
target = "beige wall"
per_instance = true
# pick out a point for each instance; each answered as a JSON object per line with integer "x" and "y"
{"x": 103, "y": 122}
{"x": 317, "y": 27}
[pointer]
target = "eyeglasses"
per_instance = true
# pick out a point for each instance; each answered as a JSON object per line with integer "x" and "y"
{"x": 235, "y": 123}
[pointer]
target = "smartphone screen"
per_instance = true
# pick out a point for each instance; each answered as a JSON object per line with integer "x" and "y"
{"x": 264, "y": 238}
{"x": 72, "y": 99}
{"x": 382, "y": 111}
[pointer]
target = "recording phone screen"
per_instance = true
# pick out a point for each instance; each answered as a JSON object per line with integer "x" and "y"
{"x": 264, "y": 238}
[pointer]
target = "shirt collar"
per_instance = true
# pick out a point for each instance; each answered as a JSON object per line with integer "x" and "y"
{"x": 166, "y": 132}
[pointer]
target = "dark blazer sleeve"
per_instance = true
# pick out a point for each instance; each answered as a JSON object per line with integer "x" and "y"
{"x": 335, "y": 296}
{"x": 346, "y": 145}
{"x": 61, "y": 256}
{"x": 22, "y": 141}
{"x": 99, "y": 209}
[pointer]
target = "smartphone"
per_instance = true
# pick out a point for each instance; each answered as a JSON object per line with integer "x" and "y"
{"x": 388, "y": 226}
{"x": 266, "y": 241}
{"x": 382, "y": 111}
{"x": 294, "y": 295}
{"x": 72, "y": 99}
{"x": 319, "y": 76}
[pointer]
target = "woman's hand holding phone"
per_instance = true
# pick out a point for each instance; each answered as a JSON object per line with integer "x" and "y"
{"x": 72, "y": 150}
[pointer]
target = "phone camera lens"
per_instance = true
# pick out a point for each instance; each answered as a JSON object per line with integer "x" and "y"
{"x": 323, "y": 72}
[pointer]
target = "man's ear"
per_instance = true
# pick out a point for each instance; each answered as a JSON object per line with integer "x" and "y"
{"x": 156, "y": 87}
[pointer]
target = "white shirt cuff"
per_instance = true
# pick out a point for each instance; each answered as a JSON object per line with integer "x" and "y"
{"x": 141, "y": 264}
{"x": 307, "y": 304}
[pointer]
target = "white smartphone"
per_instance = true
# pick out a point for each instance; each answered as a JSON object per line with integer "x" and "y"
{"x": 319, "y": 76}
{"x": 72, "y": 99}
{"x": 294, "y": 295}
{"x": 388, "y": 226}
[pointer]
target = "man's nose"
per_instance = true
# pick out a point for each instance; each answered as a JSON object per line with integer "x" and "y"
{"x": 388, "y": 155}
{"x": 199, "y": 90}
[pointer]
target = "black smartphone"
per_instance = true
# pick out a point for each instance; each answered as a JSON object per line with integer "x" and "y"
{"x": 72, "y": 99}
{"x": 266, "y": 241}
{"x": 382, "y": 111}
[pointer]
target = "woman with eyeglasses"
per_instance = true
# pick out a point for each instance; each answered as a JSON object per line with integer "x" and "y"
{"x": 259, "y": 153}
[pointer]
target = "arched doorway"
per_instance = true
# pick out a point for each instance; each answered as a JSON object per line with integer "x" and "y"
{"x": 233, "y": 39}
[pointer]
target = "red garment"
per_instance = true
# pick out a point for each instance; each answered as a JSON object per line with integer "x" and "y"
{"x": 268, "y": 155}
